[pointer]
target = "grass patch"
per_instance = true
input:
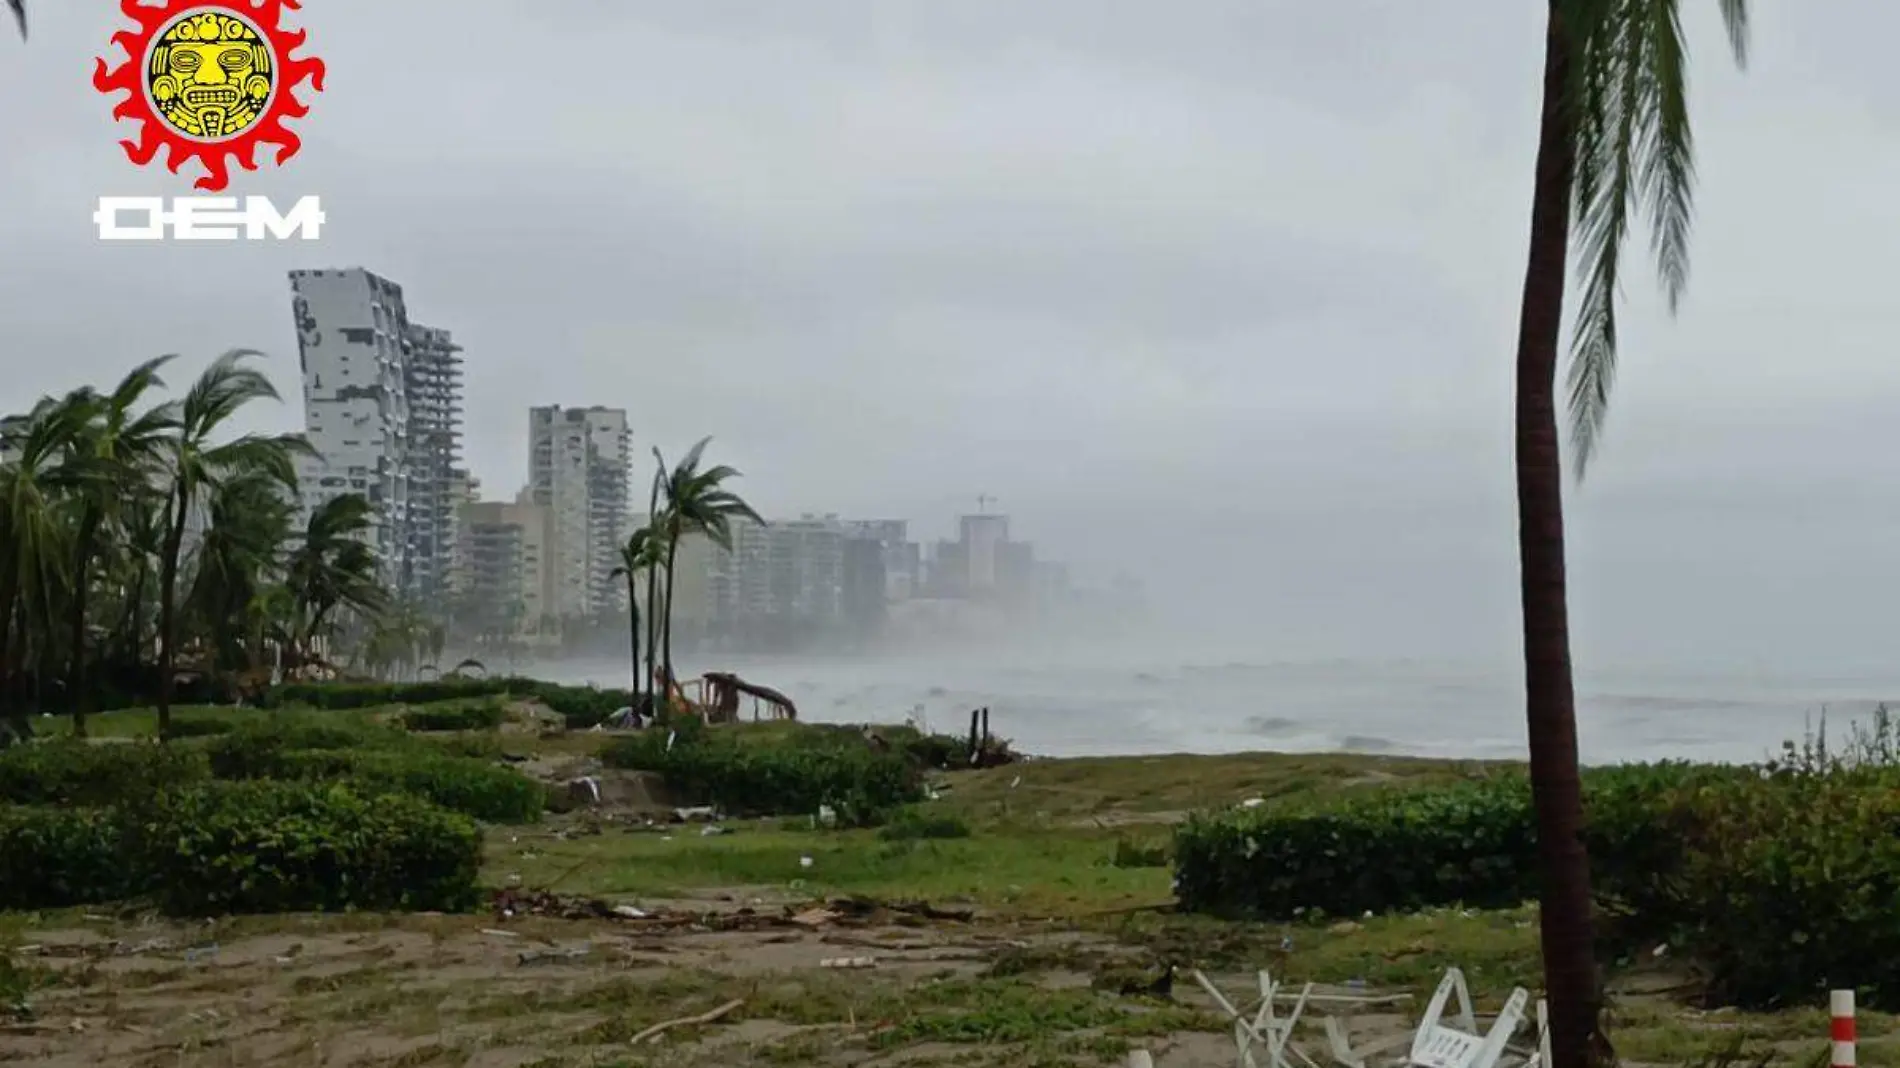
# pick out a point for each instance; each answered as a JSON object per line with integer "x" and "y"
{"x": 1029, "y": 871}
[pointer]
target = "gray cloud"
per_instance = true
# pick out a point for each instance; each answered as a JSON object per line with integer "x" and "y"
{"x": 1219, "y": 292}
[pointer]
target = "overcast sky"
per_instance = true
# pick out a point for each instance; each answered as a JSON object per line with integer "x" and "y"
{"x": 1220, "y": 292}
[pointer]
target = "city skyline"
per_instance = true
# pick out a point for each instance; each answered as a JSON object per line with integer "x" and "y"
{"x": 383, "y": 411}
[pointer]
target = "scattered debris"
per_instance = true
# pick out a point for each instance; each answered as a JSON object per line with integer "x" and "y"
{"x": 658, "y": 1029}
{"x": 548, "y": 956}
{"x": 848, "y": 962}
{"x": 584, "y": 790}
{"x": 843, "y": 912}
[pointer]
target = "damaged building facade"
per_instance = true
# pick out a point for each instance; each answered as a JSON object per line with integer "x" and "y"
{"x": 382, "y": 411}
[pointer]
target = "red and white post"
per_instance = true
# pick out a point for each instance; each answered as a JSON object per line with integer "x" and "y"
{"x": 1840, "y": 1005}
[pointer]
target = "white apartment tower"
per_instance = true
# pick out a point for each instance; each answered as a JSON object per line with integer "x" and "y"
{"x": 382, "y": 410}
{"x": 580, "y": 461}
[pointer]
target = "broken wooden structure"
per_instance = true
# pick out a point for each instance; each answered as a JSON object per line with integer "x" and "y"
{"x": 724, "y": 689}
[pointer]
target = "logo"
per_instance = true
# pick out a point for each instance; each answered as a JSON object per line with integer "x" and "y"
{"x": 210, "y": 81}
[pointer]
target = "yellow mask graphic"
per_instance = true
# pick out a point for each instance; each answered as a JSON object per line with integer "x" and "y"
{"x": 209, "y": 75}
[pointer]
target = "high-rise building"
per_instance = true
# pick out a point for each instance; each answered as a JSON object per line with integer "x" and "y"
{"x": 902, "y": 562}
{"x": 382, "y": 411}
{"x": 504, "y": 549}
{"x": 434, "y": 381}
{"x": 982, "y": 537}
{"x": 579, "y": 463}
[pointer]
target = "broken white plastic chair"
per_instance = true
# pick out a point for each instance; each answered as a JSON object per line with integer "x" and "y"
{"x": 1357, "y": 1058}
{"x": 1540, "y": 1058}
{"x": 1264, "y": 1029}
{"x": 1439, "y": 1045}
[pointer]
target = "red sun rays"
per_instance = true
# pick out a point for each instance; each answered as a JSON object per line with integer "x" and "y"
{"x": 155, "y": 133}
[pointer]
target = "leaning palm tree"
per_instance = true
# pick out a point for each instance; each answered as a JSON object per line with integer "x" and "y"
{"x": 697, "y": 502}
{"x": 112, "y": 459}
{"x": 641, "y": 553}
{"x": 1614, "y": 137}
{"x": 197, "y": 463}
{"x": 333, "y": 568}
{"x": 237, "y": 563}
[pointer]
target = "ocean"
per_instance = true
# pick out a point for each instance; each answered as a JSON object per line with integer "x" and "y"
{"x": 1069, "y": 707}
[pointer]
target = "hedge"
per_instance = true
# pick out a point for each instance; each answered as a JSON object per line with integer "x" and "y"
{"x": 61, "y": 857}
{"x": 280, "y": 847}
{"x": 480, "y": 715}
{"x": 1785, "y": 887}
{"x": 862, "y": 785}
{"x": 579, "y": 706}
{"x": 1471, "y": 843}
{"x": 72, "y": 772}
{"x": 461, "y": 784}
{"x": 1777, "y": 885}
{"x": 254, "y": 750}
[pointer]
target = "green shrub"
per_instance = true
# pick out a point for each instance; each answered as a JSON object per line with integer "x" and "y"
{"x": 863, "y": 786}
{"x": 338, "y": 696}
{"x": 1386, "y": 850}
{"x": 472, "y": 787}
{"x": 484, "y": 747}
{"x": 253, "y": 751}
{"x": 579, "y": 706}
{"x": 279, "y": 847}
{"x": 201, "y": 728}
{"x": 378, "y": 759}
{"x": 59, "y": 857}
{"x": 482, "y": 715}
{"x": 73, "y": 772}
{"x": 912, "y": 823}
{"x": 1783, "y": 887}
{"x": 1382, "y": 850}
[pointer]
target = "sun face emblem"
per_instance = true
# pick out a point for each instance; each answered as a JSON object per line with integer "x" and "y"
{"x": 208, "y": 80}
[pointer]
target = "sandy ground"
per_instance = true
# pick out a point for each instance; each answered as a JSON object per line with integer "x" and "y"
{"x": 527, "y": 987}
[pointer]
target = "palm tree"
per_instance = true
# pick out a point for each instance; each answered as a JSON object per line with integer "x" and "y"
{"x": 641, "y": 553}
{"x": 113, "y": 457}
{"x": 1614, "y": 133}
{"x": 197, "y": 464}
{"x": 237, "y": 565}
{"x": 332, "y": 567}
{"x": 697, "y": 502}
{"x": 140, "y": 529}
{"x": 32, "y": 556}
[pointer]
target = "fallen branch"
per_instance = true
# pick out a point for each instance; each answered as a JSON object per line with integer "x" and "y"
{"x": 659, "y": 1029}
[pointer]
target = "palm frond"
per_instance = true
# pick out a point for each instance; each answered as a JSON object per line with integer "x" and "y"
{"x": 224, "y": 388}
{"x": 1634, "y": 148}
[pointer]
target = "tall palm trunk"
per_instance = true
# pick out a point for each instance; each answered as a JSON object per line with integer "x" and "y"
{"x": 633, "y": 636}
{"x": 666, "y": 617}
{"x": 167, "y": 613}
{"x": 1550, "y": 703}
{"x": 132, "y": 627}
{"x": 76, "y": 689}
